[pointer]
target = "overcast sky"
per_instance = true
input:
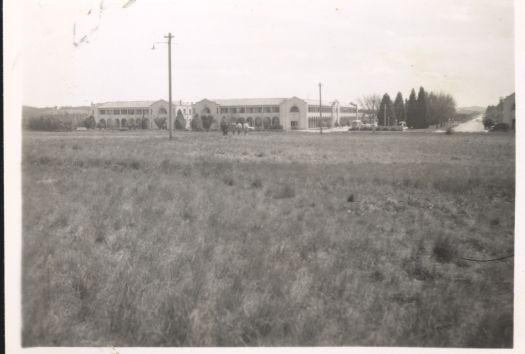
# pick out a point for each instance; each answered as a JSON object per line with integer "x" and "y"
{"x": 234, "y": 48}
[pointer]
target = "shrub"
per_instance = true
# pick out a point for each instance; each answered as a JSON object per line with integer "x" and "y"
{"x": 160, "y": 122}
{"x": 207, "y": 121}
{"x": 488, "y": 123}
{"x": 449, "y": 131}
{"x": 196, "y": 123}
{"x": 180, "y": 122}
{"x": 89, "y": 122}
{"x": 444, "y": 250}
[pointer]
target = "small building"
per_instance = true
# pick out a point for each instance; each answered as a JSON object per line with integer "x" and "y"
{"x": 140, "y": 114}
{"x": 275, "y": 113}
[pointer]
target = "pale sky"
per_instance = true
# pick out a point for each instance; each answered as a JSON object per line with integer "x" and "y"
{"x": 266, "y": 48}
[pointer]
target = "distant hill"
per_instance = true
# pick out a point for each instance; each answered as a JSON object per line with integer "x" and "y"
{"x": 471, "y": 109}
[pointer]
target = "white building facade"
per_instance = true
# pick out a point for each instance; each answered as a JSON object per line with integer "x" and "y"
{"x": 275, "y": 113}
{"x": 140, "y": 114}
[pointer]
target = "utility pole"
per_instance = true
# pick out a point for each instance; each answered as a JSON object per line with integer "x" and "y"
{"x": 320, "y": 111}
{"x": 169, "y": 37}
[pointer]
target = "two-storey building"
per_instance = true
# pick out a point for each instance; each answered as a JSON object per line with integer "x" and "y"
{"x": 139, "y": 114}
{"x": 275, "y": 113}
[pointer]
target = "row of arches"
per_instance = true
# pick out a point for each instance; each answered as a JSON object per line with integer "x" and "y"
{"x": 139, "y": 123}
{"x": 257, "y": 122}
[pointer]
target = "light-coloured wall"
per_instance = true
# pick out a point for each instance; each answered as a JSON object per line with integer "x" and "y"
{"x": 285, "y": 115}
{"x": 151, "y": 112}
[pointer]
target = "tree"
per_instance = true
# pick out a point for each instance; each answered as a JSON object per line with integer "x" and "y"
{"x": 399, "y": 108}
{"x": 441, "y": 108}
{"x": 180, "y": 122}
{"x": 422, "y": 110}
{"x": 493, "y": 115}
{"x": 196, "y": 123}
{"x": 370, "y": 105}
{"x": 160, "y": 122}
{"x": 411, "y": 109}
{"x": 207, "y": 121}
{"x": 90, "y": 123}
{"x": 386, "y": 114}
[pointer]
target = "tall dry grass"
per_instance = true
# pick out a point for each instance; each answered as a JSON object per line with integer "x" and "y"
{"x": 286, "y": 239}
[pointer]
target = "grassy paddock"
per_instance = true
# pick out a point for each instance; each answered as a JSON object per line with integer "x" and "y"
{"x": 270, "y": 239}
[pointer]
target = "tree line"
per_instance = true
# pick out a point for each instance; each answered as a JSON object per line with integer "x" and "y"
{"x": 418, "y": 111}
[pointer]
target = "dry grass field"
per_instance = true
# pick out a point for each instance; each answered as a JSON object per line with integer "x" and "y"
{"x": 269, "y": 239}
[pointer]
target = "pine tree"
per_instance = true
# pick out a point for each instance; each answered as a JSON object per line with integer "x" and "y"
{"x": 399, "y": 108}
{"x": 411, "y": 109}
{"x": 196, "y": 123}
{"x": 180, "y": 122}
{"x": 385, "y": 114}
{"x": 422, "y": 109}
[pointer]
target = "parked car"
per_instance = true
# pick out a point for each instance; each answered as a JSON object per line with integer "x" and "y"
{"x": 500, "y": 127}
{"x": 356, "y": 124}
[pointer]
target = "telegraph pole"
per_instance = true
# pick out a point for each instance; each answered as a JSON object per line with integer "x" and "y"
{"x": 320, "y": 111}
{"x": 169, "y": 37}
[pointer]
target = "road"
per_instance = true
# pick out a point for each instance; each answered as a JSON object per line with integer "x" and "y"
{"x": 471, "y": 126}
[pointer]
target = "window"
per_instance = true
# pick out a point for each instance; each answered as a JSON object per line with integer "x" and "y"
{"x": 184, "y": 110}
{"x": 234, "y": 110}
{"x": 258, "y": 109}
{"x": 267, "y": 110}
{"x": 123, "y": 111}
{"x": 116, "y": 111}
{"x": 131, "y": 111}
{"x": 294, "y": 109}
{"x": 275, "y": 109}
{"x": 189, "y": 110}
{"x": 241, "y": 110}
{"x": 224, "y": 110}
{"x": 249, "y": 109}
{"x": 102, "y": 111}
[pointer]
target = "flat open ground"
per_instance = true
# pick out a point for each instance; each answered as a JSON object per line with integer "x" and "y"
{"x": 267, "y": 239}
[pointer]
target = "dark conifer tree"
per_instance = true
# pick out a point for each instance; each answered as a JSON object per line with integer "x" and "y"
{"x": 385, "y": 114}
{"x": 422, "y": 110}
{"x": 411, "y": 109}
{"x": 399, "y": 108}
{"x": 180, "y": 122}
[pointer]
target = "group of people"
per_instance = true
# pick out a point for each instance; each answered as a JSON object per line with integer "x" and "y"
{"x": 234, "y": 128}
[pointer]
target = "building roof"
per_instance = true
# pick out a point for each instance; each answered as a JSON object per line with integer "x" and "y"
{"x": 136, "y": 104}
{"x": 126, "y": 104}
{"x": 249, "y": 101}
{"x": 316, "y": 102}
